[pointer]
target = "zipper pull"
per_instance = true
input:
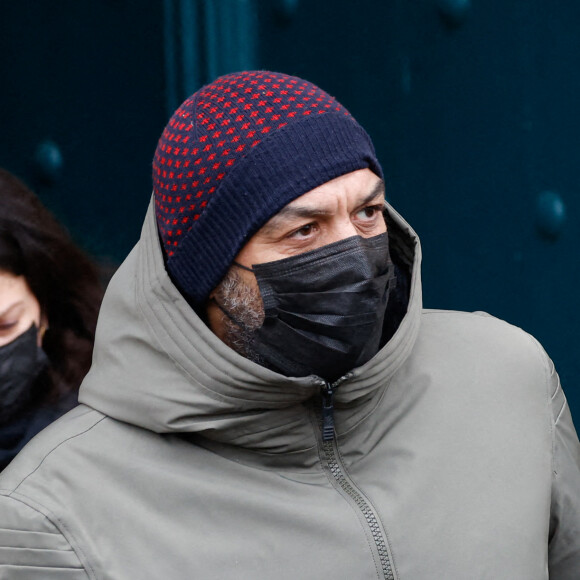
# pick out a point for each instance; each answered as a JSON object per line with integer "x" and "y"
{"x": 327, "y": 412}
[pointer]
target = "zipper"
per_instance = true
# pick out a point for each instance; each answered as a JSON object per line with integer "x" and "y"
{"x": 342, "y": 480}
{"x": 327, "y": 412}
{"x": 327, "y": 391}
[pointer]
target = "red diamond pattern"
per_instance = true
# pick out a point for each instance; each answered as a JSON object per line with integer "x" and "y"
{"x": 214, "y": 128}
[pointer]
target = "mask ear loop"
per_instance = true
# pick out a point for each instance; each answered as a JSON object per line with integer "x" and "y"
{"x": 230, "y": 316}
{"x": 242, "y": 266}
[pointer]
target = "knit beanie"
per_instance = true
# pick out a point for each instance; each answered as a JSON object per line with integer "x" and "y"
{"x": 233, "y": 155}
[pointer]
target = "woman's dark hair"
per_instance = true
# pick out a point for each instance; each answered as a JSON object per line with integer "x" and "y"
{"x": 62, "y": 278}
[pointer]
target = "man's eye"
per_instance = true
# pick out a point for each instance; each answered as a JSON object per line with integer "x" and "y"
{"x": 370, "y": 211}
{"x": 303, "y": 232}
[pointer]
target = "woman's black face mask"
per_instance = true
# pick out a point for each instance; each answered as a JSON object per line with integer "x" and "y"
{"x": 324, "y": 309}
{"x": 21, "y": 361}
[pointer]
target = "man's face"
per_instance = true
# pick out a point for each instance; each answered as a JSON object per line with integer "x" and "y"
{"x": 347, "y": 206}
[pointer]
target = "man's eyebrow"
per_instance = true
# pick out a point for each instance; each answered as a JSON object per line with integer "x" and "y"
{"x": 378, "y": 189}
{"x": 297, "y": 211}
{"x": 289, "y": 212}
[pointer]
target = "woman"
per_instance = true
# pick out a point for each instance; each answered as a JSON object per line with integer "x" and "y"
{"x": 50, "y": 294}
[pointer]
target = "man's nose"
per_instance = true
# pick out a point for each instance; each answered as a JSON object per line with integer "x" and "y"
{"x": 342, "y": 229}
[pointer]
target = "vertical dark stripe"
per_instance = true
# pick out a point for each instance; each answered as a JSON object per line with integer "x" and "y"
{"x": 212, "y": 40}
{"x": 204, "y": 39}
{"x": 246, "y": 34}
{"x": 191, "y": 58}
{"x": 171, "y": 97}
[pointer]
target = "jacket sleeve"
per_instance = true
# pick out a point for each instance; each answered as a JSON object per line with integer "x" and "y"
{"x": 564, "y": 547}
{"x": 32, "y": 548}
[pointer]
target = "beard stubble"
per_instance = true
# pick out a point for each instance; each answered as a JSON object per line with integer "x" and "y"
{"x": 243, "y": 308}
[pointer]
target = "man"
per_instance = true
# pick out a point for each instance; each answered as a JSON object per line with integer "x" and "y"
{"x": 269, "y": 400}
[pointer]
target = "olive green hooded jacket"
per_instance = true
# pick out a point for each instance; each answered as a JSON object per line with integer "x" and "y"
{"x": 455, "y": 456}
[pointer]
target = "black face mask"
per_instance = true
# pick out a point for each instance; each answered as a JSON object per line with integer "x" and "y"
{"x": 21, "y": 361}
{"x": 324, "y": 309}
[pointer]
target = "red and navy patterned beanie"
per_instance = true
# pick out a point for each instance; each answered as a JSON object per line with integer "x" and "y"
{"x": 233, "y": 155}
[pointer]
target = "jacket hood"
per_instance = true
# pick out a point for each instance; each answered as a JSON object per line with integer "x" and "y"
{"x": 158, "y": 366}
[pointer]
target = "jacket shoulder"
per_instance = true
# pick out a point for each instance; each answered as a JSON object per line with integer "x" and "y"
{"x": 46, "y": 444}
{"x": 482, "y": 345}
{"x": 32, "y": 546}
{"x": 482, "y": 328}
{"x": 462, "y": 317}
{"x": 35, "y": 540}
